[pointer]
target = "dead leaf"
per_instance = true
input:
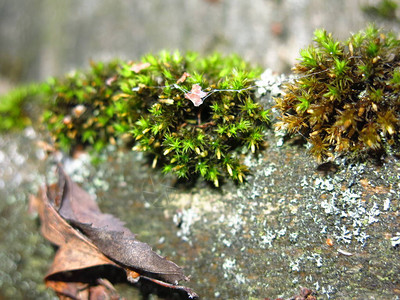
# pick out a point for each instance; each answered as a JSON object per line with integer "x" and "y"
{"x": 75, "y": 251}
{"x": 88, "y": 238}
{"x": 126, "y": 250}
{"x": 109, "y": 234}
{"x": 77, "y": 205}
{"x": 102, "y": 289}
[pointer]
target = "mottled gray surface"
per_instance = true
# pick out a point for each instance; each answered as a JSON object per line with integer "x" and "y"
{"x": 41, "y": 38}
{"x": 288, "y": 226}
{"x": 24, "y": 256}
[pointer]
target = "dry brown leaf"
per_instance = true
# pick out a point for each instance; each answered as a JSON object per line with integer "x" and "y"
{"x": 88, "y": 239}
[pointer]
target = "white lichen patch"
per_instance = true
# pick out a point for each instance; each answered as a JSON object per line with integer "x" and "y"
{"x": 324, "y": 184}
{"x": 269, "y": 170}
{"x": 267, "y": 239}
{"x": 201, "y": 201}
{"x": 294, "y": 265}
{"x": 78, "y": 168}
{"x": 235, "y": 223}
{"x": 386, "y": 204}
{"x": 271, "y": 83}
{"x": 316, "y": 258}
{"x": 192, "y": 208}
{"x": 395, "y": 240}
{"x": 293, "y": 237}
{"x": 232, "y": 271}
{"x": 351, "y": 214}
{"x": 343, "y": 234}
{"x": 184, "y": 219}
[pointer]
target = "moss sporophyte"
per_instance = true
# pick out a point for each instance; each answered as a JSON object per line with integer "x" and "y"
{"x": 194, "y": 116}
{"x": 346, "y": 97}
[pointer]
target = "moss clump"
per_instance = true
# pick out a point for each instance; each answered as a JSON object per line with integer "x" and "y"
{"x": 346, "y": 97}
{"x": 192, "y": 115}
{"x": 81, "y": 110}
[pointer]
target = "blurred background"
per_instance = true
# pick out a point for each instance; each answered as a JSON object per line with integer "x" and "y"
{"x": 42, "y": 38}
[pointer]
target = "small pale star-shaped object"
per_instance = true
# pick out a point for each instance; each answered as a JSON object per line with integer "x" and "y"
{"x": 196, "y": 95}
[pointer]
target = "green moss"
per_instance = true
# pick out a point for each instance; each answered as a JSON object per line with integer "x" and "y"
{"x": 81, "y": 109}
{"x": 346, "y": 97}
{"x": 192, "y": 115}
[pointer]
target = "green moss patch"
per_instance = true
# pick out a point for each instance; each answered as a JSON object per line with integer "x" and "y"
{"x": 346, "y": 97}
{"x": 193, "y": 116}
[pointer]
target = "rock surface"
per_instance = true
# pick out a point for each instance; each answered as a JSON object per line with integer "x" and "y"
{"x": 332, "y": 228}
